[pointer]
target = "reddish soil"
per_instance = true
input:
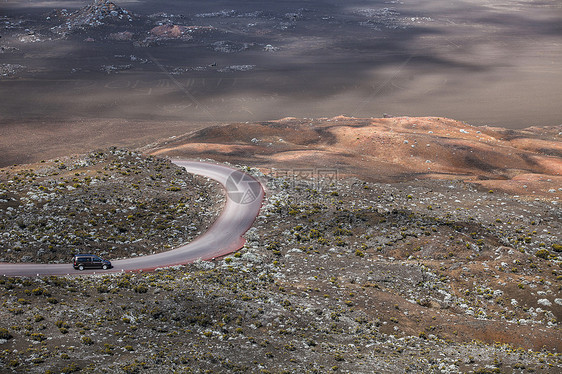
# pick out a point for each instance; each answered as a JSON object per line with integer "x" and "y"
{"x": 523, "y": 162}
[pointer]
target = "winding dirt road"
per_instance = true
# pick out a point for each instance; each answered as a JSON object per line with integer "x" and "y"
{"x": 244, "y": 200}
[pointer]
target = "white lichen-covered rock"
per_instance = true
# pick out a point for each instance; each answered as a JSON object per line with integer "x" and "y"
{"x": 252, "y": 235}
{"x": 252, "y": 257}
{"x": 204, "y": 265}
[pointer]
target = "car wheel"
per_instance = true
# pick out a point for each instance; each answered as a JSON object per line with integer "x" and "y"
{"x": 81, "y": 267}
{"x": 104, "y": 267}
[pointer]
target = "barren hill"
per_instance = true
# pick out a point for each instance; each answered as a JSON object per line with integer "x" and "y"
{"x": 389, "y": 149}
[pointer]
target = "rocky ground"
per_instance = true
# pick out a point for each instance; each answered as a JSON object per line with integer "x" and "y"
{"x": 103, "y": 21}
{"x": 336, "y": 276}
{"x": 114, "y": 203}
{"x": 385, "y": 245}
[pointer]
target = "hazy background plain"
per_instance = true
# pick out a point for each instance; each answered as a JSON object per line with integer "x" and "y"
{"x": 484, "y": 62}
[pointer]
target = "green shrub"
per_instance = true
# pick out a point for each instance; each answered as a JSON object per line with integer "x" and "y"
{"x": 60, "y": 324}
{"x": 38, "y": 337}
{"x": 71, "y": 368}
{"x": 543, "y": 253}
{"x": 5, "y": 334}
{"x": 107, "y": 349}
{"x": 487, "y": 371}
{"x": 141, "y": 288}
{"x": 102, "y": 288}
{"x": 124, "y": 283}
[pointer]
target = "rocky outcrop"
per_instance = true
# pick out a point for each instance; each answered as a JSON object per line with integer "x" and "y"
{"x": 171, "y": 32}
{"x": 101, "y": 12}
{"x": 121, "y": 36}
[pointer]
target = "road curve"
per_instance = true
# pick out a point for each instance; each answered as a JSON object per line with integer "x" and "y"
{"x": 244, "y": 199}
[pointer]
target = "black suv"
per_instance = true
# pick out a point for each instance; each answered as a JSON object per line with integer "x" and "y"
{"x": 84, "y": 261}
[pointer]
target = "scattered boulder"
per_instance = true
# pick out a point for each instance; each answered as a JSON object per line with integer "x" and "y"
{"x": 121, "y": 36}
{"x": 171, "y": 32}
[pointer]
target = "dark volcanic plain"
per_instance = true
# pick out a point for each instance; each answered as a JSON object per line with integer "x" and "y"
{"x": 480, "y": 62}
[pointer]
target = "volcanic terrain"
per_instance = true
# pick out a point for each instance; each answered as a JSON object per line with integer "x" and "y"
{"x": 526, "y": 162}
{"x": 365, "y": 257}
